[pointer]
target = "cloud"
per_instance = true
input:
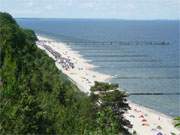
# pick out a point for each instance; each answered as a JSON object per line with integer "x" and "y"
{"x": 49, "y": 7}
{"x": 30, "y": 3}
{"x": 124, "y": 9}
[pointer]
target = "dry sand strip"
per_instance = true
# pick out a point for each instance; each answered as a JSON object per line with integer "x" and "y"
{"x": 150, "y": 122}
{"x": 82, "y": 73}
{"x": 145, "y": 121}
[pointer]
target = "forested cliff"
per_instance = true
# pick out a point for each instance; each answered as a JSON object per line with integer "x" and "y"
{"x": 37, "y": 98}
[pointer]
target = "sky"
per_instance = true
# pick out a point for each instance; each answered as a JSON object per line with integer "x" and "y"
{"x": 113, "y": 9}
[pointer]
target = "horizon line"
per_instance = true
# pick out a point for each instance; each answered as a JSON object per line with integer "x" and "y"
{"x": 98, "y": 19}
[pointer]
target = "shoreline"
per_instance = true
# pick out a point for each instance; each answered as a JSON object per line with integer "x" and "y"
{"x": 144, "y": 120}
{"x": 83, "y": 73}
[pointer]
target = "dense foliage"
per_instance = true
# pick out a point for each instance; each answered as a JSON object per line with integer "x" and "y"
{"x": 177, "y": 121}
{"x": 111, "y": 103}
{"x": 36, "y": 98}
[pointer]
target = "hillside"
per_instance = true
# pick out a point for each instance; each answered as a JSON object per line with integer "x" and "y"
{"x": 37, "y": 98}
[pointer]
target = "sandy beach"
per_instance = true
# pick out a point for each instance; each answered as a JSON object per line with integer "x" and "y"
{"x": 145, "y": 121}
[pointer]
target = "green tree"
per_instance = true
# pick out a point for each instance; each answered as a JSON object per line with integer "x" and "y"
{"x": 177, "y": 120}
{"x": 112, "y": 101}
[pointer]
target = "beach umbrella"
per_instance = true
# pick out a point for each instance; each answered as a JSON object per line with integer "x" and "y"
{"x": 132, "y": 116}
{"x": 144, "y": 120}
{"x": 154, "y": 129}
{"x": 159, "y": 127}
{"x": 141, "y": 116}
{"x": 159, "y": 133}
{"x": 143, "y": 124}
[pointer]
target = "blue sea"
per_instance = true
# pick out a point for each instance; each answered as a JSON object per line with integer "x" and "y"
{"x": 142, "y": 56}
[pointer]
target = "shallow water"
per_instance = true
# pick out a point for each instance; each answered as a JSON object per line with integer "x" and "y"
{"x": 143, "y": 56}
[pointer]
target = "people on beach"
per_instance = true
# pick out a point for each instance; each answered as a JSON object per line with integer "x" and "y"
{"x": 142, "y": 120}
{"x": 65, "y": 62}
